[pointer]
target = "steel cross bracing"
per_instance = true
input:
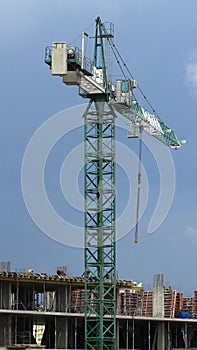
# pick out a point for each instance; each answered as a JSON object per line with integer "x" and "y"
{"x": 100, "y": 251}
{"x": 139, "y": 117}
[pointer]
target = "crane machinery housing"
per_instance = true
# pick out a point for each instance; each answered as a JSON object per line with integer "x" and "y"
{"x": 95, "y": 84}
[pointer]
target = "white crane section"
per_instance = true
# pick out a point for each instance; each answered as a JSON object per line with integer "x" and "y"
{"x": 139, "y": 117}
{"x": 68, "y": 62}
{"x": 76, "y": 69}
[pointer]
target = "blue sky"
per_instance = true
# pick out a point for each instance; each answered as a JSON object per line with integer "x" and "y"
{"x": 158, "y": 42}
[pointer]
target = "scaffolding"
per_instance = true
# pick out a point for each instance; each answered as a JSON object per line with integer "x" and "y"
{"x": 169, "y": 302}
{"x": 147, "y": 303}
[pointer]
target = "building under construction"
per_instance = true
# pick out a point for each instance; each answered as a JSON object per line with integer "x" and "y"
{"x": 95, "y": 311}
{"x": 47, "y": 311}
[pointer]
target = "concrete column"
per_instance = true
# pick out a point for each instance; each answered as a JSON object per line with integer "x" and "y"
{"x": 30, "y": 326}
{"x": 185, "y": 336}
{"x": 133, "y": 335}
{"x": 5, "y": 330}
{"x": 158, "y": 302}
{"x": 127, "y": 334}
{"x": 161, "y": 336}
{"x": 69, "y": 300}
{"x": 71, "y": 334}
{"x": 75, "y": 332}
{"x": 66, "y": 333}
{"x": 62, "y": 298}
{"x": 1, "y": 296}
{"x": 1, "y": 331}
{"x": 117, "y": 334}
{"x": 31, "y": 297}
{"x": 15, "y": 330}
{"x": 44, "y": 294}
{"x": 55, "y": 345}
{"x": 149, "y": 340}
{"x": 9, "y": 330}
{"x": 190, "y": 331}
{"x": 17, "y": 294}
{"x": 169, "y": 338}
{"x": 6, "y": 295}
{"x": 62, "y": 333}
{"x": 66, "y": 298}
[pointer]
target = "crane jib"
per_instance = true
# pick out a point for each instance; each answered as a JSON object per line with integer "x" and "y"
{"x": 139, "y": 117}
{"x": 156, "y": 127}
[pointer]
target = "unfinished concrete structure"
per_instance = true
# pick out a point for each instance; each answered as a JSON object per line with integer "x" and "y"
{"x": 48, "y": 311}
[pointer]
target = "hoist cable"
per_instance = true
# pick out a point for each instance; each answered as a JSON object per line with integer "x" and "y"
{"x": 138, "y": 186}
{"x": 113, "y": 50}
{"x": 132, "y": 77}
{"x": 80, "y": 34}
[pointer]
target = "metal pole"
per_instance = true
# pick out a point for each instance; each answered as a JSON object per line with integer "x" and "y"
{"x": 117, "y": 334}
{"x": 169, "y": 347}
{"x": 15, "y": 330}
{"x": 32, "y": 301}
{"x": 17, "y": 294}
{"x": 186, "y": 337}
{"x": 29, "y": 331}
{"x": 1, "y": 298}
{"x": 149, "y": 335}
{"x": 75, "y": 332}
{"x": 70, "y": 298}
{"x": 66, "y": 333}
{"x": 66, "y": 299}
{"x": 55, "y": 333}
{"x": 9, "y": 330}
{"x": 44, "y": 299}
{"x": 133, "y": 336}
{"x": 127, "y": 334}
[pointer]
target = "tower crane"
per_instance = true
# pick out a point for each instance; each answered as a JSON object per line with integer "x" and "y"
{"x": 95, "y": 84}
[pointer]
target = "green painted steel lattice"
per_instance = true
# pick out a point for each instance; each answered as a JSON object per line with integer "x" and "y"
{"x": 100, "y": 251}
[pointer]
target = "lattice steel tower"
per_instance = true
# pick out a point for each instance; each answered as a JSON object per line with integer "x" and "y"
{"x": 100, "y": 250}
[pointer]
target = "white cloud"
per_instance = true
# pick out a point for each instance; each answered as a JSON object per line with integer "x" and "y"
{"x": 191, "y": 233}
{"x": 191, "y": 68}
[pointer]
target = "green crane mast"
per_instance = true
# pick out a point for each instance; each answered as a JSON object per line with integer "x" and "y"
{"x": 100, "y": 256}
{"x": 99, "y": 171}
